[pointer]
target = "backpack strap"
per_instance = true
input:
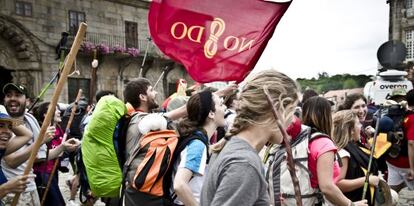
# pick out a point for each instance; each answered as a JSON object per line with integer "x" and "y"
{"x": 182, "y": 144}
{"x": 119, "y": 137}
{"x": 317, "y": 135}
{"x": 129, "y": 159}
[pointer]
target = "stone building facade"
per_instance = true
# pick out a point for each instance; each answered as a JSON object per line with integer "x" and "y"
{"x": 30, "y": 30}
{"x": 401, "y": 27}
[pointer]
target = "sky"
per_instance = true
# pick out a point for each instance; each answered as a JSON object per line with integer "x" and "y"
{"x": 333, "y": 36}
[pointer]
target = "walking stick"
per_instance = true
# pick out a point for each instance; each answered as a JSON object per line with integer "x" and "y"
{"x": 68, "y": 125}
{"x": 290, "y": 163}
{"x": 49, "y": 115}
{"x": 161, "y": 76}
{"x": 145, "y": 57}
{"x": 374, "y": 141}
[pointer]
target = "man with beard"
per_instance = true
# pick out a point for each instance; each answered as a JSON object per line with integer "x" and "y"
{"x": 15, "y": 163}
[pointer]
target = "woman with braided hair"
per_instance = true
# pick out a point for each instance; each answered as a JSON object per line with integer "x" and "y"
{"x": 236, "y": 174}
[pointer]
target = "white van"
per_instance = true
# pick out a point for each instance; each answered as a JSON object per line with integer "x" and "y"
{"x": 384, "y": 83}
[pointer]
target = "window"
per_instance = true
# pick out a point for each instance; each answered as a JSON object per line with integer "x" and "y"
{"x": 408, "y": 4}
{"x": 409, "y": 43}
{"x": 131, "y": 34}
{"x": 75, "y": 18}
{"x": 23, "y": 8}
{"x": 75, "y": 85}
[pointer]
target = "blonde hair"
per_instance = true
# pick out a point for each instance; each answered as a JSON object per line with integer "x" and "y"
{"x": 343, "y": 127}
{"x": 253, "y": 107}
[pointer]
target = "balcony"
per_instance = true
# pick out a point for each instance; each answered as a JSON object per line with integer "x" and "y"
{"x": 114, "y": 41}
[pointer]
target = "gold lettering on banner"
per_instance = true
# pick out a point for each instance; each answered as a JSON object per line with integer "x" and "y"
{"x": 200, "y": 33}
{"x": 244, "y": 45}
{"x": 173, "y": 32}
{"x": 233, "y": 44}
{"x": 217, "y": 28}
{"x": 179, "y": 30}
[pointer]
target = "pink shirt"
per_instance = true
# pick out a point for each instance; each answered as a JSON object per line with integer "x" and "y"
{"x": 56, "y": 141}
{"x": 317, "y": 148}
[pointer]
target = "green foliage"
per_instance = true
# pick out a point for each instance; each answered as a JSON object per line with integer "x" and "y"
{"x": 326, "y": 83}
{"x": 349, "y": 84}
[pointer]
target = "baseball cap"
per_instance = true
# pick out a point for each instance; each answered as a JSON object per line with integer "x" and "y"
{"x": 6, "y": 118}
{"x": 12, "y": 86}
{"x": 398, "y": 92}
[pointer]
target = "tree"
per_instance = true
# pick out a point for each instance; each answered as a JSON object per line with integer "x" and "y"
{"x": 325, "y": 82}
{"x": 350, "y": 84}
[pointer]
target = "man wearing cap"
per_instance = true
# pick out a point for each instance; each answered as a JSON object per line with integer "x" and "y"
{"x": 399, "y": 165}
{"x": 15, "y": 163}
{"x": 9, "y": 144}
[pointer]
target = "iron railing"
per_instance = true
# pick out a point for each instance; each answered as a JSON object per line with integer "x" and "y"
{"x": 114, "y": 41}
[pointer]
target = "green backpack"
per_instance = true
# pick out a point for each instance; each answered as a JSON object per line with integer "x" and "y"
{"x": 99, "y": 148}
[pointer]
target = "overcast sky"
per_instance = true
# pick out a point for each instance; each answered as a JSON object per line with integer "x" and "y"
{"x": 335, "y": 36}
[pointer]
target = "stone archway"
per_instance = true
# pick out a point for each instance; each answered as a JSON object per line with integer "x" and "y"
{"x": 19, "y": 54}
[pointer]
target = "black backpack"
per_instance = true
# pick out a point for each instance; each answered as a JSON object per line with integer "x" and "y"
{"x": 396, "y": 136}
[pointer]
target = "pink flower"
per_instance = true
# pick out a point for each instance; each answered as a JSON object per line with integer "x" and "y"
{"x": 87, "y": 47}
{"x": 134, "y": 52}
{"x": 102, "y": 48}
{"x": 118, "y": 49}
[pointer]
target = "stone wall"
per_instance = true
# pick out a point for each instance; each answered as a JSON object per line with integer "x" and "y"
{"x": 106, "y": 22}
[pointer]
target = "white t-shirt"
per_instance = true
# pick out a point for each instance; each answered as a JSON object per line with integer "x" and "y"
{"x": 194, "y": 158}
{"x": 343, "y": 153}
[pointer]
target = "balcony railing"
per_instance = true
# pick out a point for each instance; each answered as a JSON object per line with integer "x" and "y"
{"x": 119, "y": 41}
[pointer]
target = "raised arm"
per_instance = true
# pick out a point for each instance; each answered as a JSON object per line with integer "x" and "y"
{"x": 23, "y": 135}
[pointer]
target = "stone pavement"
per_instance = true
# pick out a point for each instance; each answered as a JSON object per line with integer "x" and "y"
{"x": 406, "y": 198}
{"x": 65, "y": 189}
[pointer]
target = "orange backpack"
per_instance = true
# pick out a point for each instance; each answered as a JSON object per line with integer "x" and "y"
{"x": 154, "y": 152}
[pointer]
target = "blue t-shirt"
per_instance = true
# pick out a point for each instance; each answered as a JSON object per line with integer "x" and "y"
{"x": 3, "y": 178}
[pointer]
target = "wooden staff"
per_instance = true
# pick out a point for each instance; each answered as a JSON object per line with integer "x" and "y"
{"x": 68, "y": 125}
{"x": 286, "y": 141}
{"x": 374, "y": 142}
{"x": 49, "y": 115}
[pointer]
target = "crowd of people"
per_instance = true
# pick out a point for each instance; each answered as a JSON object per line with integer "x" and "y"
{"x": 229, "y": 151}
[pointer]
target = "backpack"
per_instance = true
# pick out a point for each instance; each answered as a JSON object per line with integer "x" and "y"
{"x": 151, "y": 185}
{"x": 281, "y": 190}
{"x": 119, "y": 146}
{"x": 102, "y": 148}
{"x": 396, "y": 136}
{"x": 75, "y": 130}
{"x": 149, "y": 162}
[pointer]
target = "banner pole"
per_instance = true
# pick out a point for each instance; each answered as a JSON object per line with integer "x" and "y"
{"x": 145, "y": 57}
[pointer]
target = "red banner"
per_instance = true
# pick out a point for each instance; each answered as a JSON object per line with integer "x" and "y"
{"x": 216, "y": 40}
